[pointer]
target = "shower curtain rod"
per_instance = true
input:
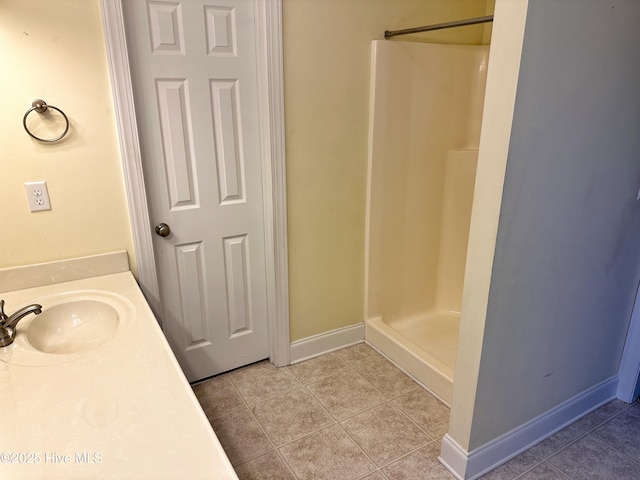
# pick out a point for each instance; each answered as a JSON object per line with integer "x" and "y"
{"x": 439, "y": 26}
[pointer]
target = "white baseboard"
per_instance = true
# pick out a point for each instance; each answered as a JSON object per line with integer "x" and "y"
{"x": 326, "y": 342}
{"x": 453, "y": 457}
{"x": 471, "y": 465}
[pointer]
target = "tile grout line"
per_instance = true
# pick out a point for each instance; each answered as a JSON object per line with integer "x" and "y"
{"x": 416, "y": 387}
{"x": 532, "y": 467}
{"x": 545, "y": 459}
{"x": 348, "y": 365}
{"x": 411, "y": 376}
{"x": 601, "y": 440}
{"x": 566, "y": 475}
{"x": 538, "y": 462}
{"x": 577, "y": 438}
{"x": 250, "y": 410}
{"x": 598, "y": 440}
{"x": 581, "y": 436}
{"x": 388, "y": 400}
{"x": 337, "y": 423}
{"x": 291, "y": 368}
{"x": 334, "y": 421}
{"x": 593, "y": 431}
{"x": 286, "y": 464}
{"x": 411, "y": 452}
{"x": 590, "y": 431}
{"x": 375, "y": 465}
{"x": 435, "y": 439}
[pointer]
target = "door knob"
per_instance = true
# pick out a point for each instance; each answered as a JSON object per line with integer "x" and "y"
{"x": 163, "y": 229}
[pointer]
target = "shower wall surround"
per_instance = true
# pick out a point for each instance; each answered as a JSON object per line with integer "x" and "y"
{"x": 426, "y": 112}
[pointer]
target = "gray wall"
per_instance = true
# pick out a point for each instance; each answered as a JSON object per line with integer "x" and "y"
{"x": 566, "y": 265}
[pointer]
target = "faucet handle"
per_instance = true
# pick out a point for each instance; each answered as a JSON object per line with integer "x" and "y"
{"x": 3, "y": 316}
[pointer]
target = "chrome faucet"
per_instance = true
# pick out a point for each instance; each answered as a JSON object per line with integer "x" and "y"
{"x": 8, "y": 323}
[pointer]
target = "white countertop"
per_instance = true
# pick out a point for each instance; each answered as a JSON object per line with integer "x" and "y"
{"x": 123, "y": 410}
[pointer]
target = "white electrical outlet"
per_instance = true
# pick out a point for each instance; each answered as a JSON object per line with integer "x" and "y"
{"x": 37, "y": 196}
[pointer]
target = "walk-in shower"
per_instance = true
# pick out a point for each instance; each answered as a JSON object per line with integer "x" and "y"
{"x": 425, "y": 116}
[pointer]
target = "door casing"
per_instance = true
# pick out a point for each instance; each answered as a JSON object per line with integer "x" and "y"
{"x": 271, "y": 92}
{"x": 629, "y": 370}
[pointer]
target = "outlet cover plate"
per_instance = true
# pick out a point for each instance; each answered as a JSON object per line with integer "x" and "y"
{"x": 37, "y": 196}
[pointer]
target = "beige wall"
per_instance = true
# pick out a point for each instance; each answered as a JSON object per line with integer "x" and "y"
{"x": 55, "y": 51}
{"x": 326, "y": 63}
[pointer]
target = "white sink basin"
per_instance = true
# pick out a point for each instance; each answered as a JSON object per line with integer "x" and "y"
{"x": 73, "y": 326}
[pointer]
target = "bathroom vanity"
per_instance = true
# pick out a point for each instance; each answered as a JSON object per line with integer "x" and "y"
{"x": 92, "y": 389}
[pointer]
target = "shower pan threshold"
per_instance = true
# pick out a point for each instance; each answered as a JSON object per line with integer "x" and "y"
{"x": 423, "y": 345}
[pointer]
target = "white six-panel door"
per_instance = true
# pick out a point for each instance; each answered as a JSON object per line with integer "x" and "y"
{"x": 193, "y": 67}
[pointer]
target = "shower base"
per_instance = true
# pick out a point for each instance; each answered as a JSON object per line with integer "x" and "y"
{"x": 423, "y": 345}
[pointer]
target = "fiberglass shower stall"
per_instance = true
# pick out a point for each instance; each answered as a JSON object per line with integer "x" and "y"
{"x": 425, "y": 117}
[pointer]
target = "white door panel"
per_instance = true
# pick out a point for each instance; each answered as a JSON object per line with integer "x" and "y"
{"x": 193, "y": 66}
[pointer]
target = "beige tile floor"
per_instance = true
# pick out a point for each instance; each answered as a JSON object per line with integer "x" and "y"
{"x": 351, "y": 415}
{"x": 604, "y": 445}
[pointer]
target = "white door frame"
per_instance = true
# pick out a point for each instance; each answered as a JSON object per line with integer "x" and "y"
{"x": 271, "y": 92}
{"x": 629, "y": 370}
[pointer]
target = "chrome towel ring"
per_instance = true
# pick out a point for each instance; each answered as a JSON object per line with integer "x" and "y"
{"x": 40, "y": 106}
